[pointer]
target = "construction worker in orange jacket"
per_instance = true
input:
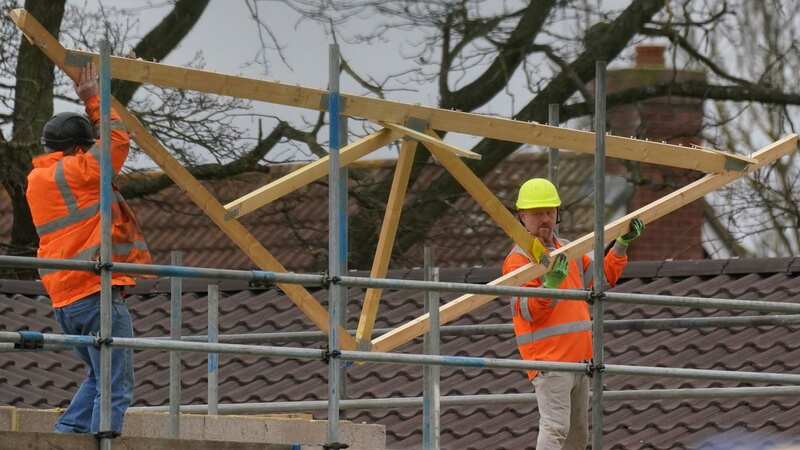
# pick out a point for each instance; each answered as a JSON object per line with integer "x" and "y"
{"x": 64, "y": 197}
{"x": 558, "y": 330}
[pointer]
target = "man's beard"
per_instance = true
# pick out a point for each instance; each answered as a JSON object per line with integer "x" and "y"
{"x": 545, "y": 234}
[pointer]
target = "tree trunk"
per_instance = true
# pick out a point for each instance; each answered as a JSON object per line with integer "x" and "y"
{"x": 33, "y": 106}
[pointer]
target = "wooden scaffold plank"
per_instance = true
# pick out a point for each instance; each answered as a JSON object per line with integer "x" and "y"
{"x": 383, "y": 253}
{"x": 648, "y": 213}
{"x": 307, "y": 174}
{"x": 379, "y": 110}
{"x": 303, "y": 299}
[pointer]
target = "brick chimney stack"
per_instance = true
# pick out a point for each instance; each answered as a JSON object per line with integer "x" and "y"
{"x": 671, "y": 119}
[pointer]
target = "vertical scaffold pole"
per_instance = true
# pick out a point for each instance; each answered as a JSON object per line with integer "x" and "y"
{"x": 213, "y": 358}
{"x": 337, "y": 253}
{"x": 345, "y": 243}
{"x": 106, "y": 174}
{"x": 599, "y": 243}
{"x": 175, "y": 323}
{"x": 430, "y": 373}
{"x": 553, "y": 155}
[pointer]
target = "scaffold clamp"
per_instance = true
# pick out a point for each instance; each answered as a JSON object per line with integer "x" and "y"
{"x": 30, "y": 340}
{"x": 99, "y": 342}
{"x": 106, "y": 435}
{"x": 595, "y": 296}
{"x": 327, "y": 355}
{"x": 100, "y": 266}
{"x": 328, "y": 280}
{"x": 592, "y": 368}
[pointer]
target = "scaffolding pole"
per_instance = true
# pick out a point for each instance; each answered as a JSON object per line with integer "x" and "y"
{"x": 213, "y": 338}
{"x": 411, "y": 359}
{"x": 553, "y": 156}
{"x": 482, "y": 399}
{"x": 175, "y": 323}
{"x": 337, "y": 252}
{"x": 264, "y": 277}
{"x": 688, "y": 323}
{"x": 106, "y": 193}
{"x": 598, "y": 287}
{"x": 430, "y": 374}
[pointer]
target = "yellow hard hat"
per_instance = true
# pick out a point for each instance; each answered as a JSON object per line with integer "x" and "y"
{"x": 538, "y": 193}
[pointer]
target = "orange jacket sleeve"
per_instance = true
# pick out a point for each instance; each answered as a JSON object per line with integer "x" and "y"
{"x": 84, "y": 168}
{"x": 613, "y": 264}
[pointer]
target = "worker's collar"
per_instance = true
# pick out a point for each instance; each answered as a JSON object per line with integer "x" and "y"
{"x": 554, "y": 245}
{"x": 47, "y": 160}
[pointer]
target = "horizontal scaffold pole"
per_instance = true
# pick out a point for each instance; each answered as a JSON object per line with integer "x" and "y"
{"x": 478, "y": 400}
{"x": 411, "y": 359}
{"x": 493, "y": 329}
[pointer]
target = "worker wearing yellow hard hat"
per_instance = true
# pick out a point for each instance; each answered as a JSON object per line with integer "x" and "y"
{"x": 553, "y": 330}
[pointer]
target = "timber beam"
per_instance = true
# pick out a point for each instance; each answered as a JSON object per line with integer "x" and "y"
{"x": 379, "y": 110}
{"x": 307, "y": 174}
{"x": 383, "y": 253}
{"x": 648, "y": 213}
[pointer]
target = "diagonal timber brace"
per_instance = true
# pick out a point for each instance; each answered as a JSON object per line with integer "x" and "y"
{"x": 655, "y": 210}
{"x": 379, "y": 110}
{"x": 40, "y": 37}
{"x": 307, "y": 174}
{"x": 383, "y": 253}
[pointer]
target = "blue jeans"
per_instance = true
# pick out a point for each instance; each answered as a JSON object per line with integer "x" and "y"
{"x": 83, "y": 317}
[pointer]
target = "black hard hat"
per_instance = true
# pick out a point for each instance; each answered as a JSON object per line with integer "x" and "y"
{"x": 67, "y": 129}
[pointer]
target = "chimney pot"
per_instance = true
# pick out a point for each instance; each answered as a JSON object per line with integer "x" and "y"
{"x": 650, "y": 56}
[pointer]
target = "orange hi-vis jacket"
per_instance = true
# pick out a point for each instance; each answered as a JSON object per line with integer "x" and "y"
{"x": 64, "y": 197}
{"x": 552, "y": 329}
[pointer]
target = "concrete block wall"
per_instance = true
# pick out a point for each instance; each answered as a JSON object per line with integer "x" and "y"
{"x": 310, "y": 434}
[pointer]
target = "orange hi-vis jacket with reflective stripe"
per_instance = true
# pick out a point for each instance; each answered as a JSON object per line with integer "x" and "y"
{"x": 64, "y": 197}
{"x": 552, "y": 329}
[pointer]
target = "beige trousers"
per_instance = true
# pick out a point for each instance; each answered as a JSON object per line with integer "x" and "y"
{"x": 563, "y": 400}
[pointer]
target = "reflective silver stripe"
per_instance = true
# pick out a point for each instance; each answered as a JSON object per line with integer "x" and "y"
{"x": 62, "y": 222}
{"x": 620, "y": 248}
{"x": 118, "y": 125}
{"x": 95, "y": 151}
{"x": 514, "y": 301}
{"x": 557, "y": 330}
{"x": 91, "y": 253}
{"x": 73, "y": 217}
{"x": 63, "y": 187}
{"x": 588, "y": 276}
{"x": 523, "y": 308}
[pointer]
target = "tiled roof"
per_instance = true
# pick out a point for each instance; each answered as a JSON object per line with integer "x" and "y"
{"x": 294, "y": 228}
{"x": 47, "y": 379}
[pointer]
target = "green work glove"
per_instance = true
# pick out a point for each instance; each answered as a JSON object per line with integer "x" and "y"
{"x": 637, "y": 226}
{"x": 557, "y": 274}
